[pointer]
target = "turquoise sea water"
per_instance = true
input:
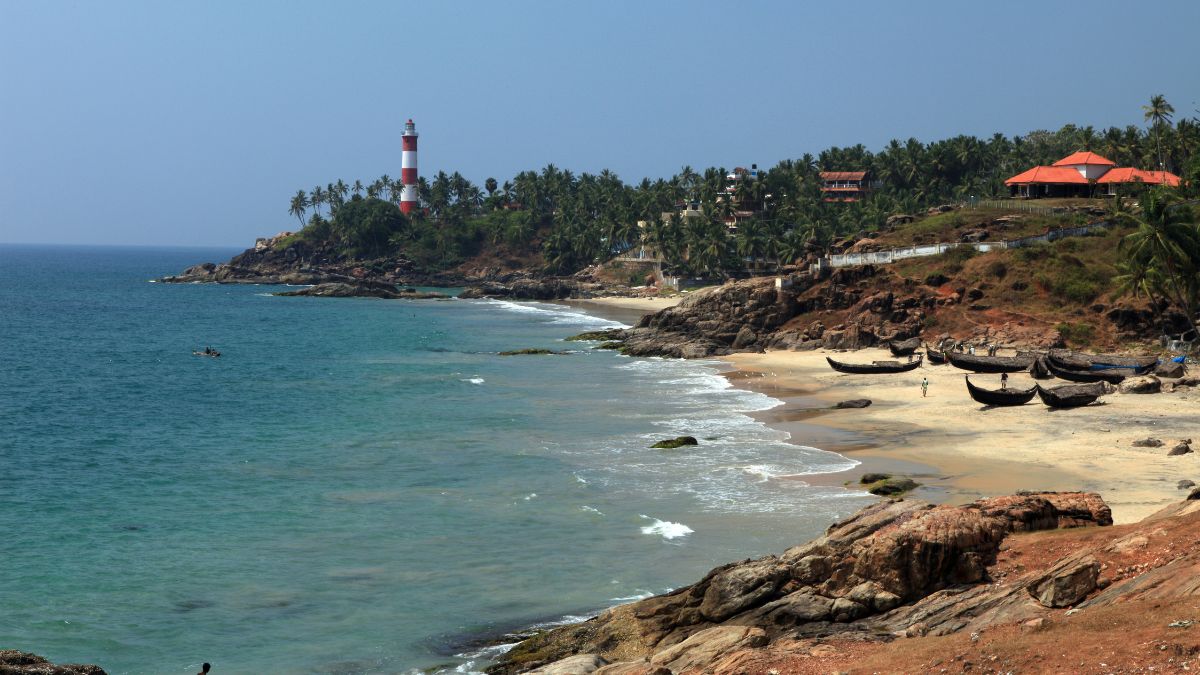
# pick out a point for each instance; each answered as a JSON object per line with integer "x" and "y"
{"x": 356, "y": 485}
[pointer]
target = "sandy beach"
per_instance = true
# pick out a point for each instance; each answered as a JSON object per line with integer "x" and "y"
{"x": 646, "y": 305}
{"x": 960, "y": 451}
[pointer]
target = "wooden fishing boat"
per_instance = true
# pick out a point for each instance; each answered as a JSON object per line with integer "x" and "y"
{"x": 1070, "y": 395}
{"x": 873, "y": 368}
{"x": 1039, "y": 370}
{"x": 905, "y": 347}
{"x": 935, "y": 357}
{"x": 1000, "y": 396}
{"x": 991, "y": 364}
{"x": 1140, "y": 365}
{"x": 214, "y": 353}
{"x": 1110, "y": 376}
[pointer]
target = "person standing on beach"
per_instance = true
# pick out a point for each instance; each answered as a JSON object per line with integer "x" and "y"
{"x": 1004, "y": 380}
{"x": 924, "y": 386}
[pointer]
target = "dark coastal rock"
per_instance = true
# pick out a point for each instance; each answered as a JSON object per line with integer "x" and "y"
{"x": 677, "y": 442}
{"x": 552, "y": 288}
{"x": 598, "y": 335}
{"x": 532, "y": 352}
{"x": 1067, "y": 583}
{"x": 1185, "y": 484}
{"x": 868, "y": 478}
{"x": 1180, "y": 449}
{"x": 1147, "y": 443}
{"x": 13, "y": 662}
{"x": 853, "y": 403}
{"x": 857, "y": 577}
{"x": 893, "y": 486}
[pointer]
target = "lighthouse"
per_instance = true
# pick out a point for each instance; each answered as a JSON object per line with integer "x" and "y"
{"x": 408, "y": 168}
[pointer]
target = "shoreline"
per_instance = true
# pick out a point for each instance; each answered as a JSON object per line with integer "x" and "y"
{"x": 961, "y": 452}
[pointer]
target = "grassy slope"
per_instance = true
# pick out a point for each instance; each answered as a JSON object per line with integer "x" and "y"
{"x": 1061, "y": 284}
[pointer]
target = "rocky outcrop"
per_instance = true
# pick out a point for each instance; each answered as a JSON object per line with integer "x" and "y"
{"x": 362, "y": 289}
{"x": 1147, "y": 384}
{"x": 13, "y": 662}
{"x": 890, "y": 567}
{"x": 552, "y": 288}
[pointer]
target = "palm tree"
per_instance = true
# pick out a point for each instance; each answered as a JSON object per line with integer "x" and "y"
{"x": 1167, "y": 239}
{"x": 316, "y": 198}
{"x": 299, "y": 206}
{"x": 1158, "y": 113}
{"x": 358, "y": 187}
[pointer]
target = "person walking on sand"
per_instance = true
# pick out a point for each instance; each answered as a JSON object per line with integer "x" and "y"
{"x": 924, "y": 386}
{"x": 1004, "y": 380}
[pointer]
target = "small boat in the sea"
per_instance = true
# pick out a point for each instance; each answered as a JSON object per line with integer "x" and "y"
{"x": 875, "y": 367}
{"x": 904, "y": 347}
{"x": 935, "y": 357}
{"x": 1000, "y": 396}
{"x": 1140, "y": 365}
{"x": 1073, "y": 375}
{"x": 207, "y": 352}
{"x": 1070, "y": 395}
{"x": 991, "y": 364}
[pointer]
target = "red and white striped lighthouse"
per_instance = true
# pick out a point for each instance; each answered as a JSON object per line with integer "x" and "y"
{"x": 408, "y": 169}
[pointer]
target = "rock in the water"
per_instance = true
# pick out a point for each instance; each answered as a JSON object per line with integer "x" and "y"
{"x": 873, "y": 477}
{"x": 530, "y": 351}
{"x": 1147, "y": 443}
{"x": 1181, "y": 449}
{"x": 1147, "y": 384}
{"x": 1170, "y": 369}
{"x": 1194, "y": 495}
{"x": 13, "y": 662}
{"x": 1185, "y": 484}
{"x": 676, "y": 442}
{"x": 1067, "y": 583}
{"x": 580, "y": 664}
{"x": 854, "y": 403}
{"x": 893, "y": 486}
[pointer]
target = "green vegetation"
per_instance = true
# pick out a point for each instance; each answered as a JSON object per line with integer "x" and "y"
{"x": 1077, "y": 334}
{"x": 953, "y": 259}
{"x": 1161, "y": 257}
{"x": 886, "y": 485}
{"x": 565, "y": 221}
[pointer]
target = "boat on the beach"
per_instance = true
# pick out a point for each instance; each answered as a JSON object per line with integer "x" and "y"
{"x": 875, "y": 367}
{"x": 935, "y": 357}
{"x": 1140, "y": 365}
{"x": 1070, "y": 395}
{"x": 1000, "y": 396}
{"x": 904, "y": 347}
{"x": 1039, "y": 370}
{"x": 992, "y": 364}
{"x": 1074, "y": 375}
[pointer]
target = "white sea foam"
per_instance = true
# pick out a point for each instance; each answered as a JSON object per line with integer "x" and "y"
{"x": 555, "y": 314}
{"x": 473, "y": 380}
{"x": 591, "y": 509}
{"x": 666, "y": 529}
{"x": 530, "y": 496}
{"x": 579, "y": 479}
{"x": 640, "y": 595}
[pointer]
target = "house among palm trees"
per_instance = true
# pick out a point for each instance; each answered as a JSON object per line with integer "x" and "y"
{"x": 1083, "y": 174}
{"x": 845, "y": 186}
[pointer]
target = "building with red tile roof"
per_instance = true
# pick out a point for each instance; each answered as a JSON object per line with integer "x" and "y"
{"x": 844, "y": 186}
{"x": 1079, "y": 174}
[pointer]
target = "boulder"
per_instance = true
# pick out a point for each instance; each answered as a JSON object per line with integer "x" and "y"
{"x": 580, "y": 664}
{"x": 893, "y": 486}
{"x": 739, "y": 587}
{"x": 1170, "y": 369}
{"x": 853, "y": 403}
{"x": 868, "y": 478}
{"x": 677, "y": 442}
{"x": 13, "y": 662}
{"x": 705, "y": 647}
{"x": 1147, "y": 384}
{"x": 1147, "y": 443}
{"x": 1066, "y": 583}
{"x": 1185, "y": 484}
{"x": 1180, "y": 449}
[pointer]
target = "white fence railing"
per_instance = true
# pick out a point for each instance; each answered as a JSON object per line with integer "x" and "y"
{"x": 892, "y": 255}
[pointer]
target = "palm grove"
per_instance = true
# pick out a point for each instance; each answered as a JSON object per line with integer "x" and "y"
{"x": 573, "y": 220}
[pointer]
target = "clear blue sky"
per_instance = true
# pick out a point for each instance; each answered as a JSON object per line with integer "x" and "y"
{"x": 193, "y": 123}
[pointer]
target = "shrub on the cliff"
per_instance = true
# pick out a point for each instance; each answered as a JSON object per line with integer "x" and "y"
{"x": 953, "y": 259}
{"x": 1076, "y": 334}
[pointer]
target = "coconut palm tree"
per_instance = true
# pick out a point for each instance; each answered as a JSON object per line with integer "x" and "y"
{"x": 299, "y": 206}
{"x": 1158, "y": 113}
{"x": 316, "y": 197}
{"x": 1167, "y": 238}
{"x": 358, "y": 187}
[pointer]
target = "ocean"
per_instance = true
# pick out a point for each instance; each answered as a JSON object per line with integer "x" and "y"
{"x": 355, "y": 485}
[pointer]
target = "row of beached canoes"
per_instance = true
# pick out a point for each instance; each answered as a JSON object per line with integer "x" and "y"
{"x": 1090, "y": 370}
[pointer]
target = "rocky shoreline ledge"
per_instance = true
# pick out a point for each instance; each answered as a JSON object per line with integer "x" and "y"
{"x": 893, "y": 582}
{"x": 13, "y": 662}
